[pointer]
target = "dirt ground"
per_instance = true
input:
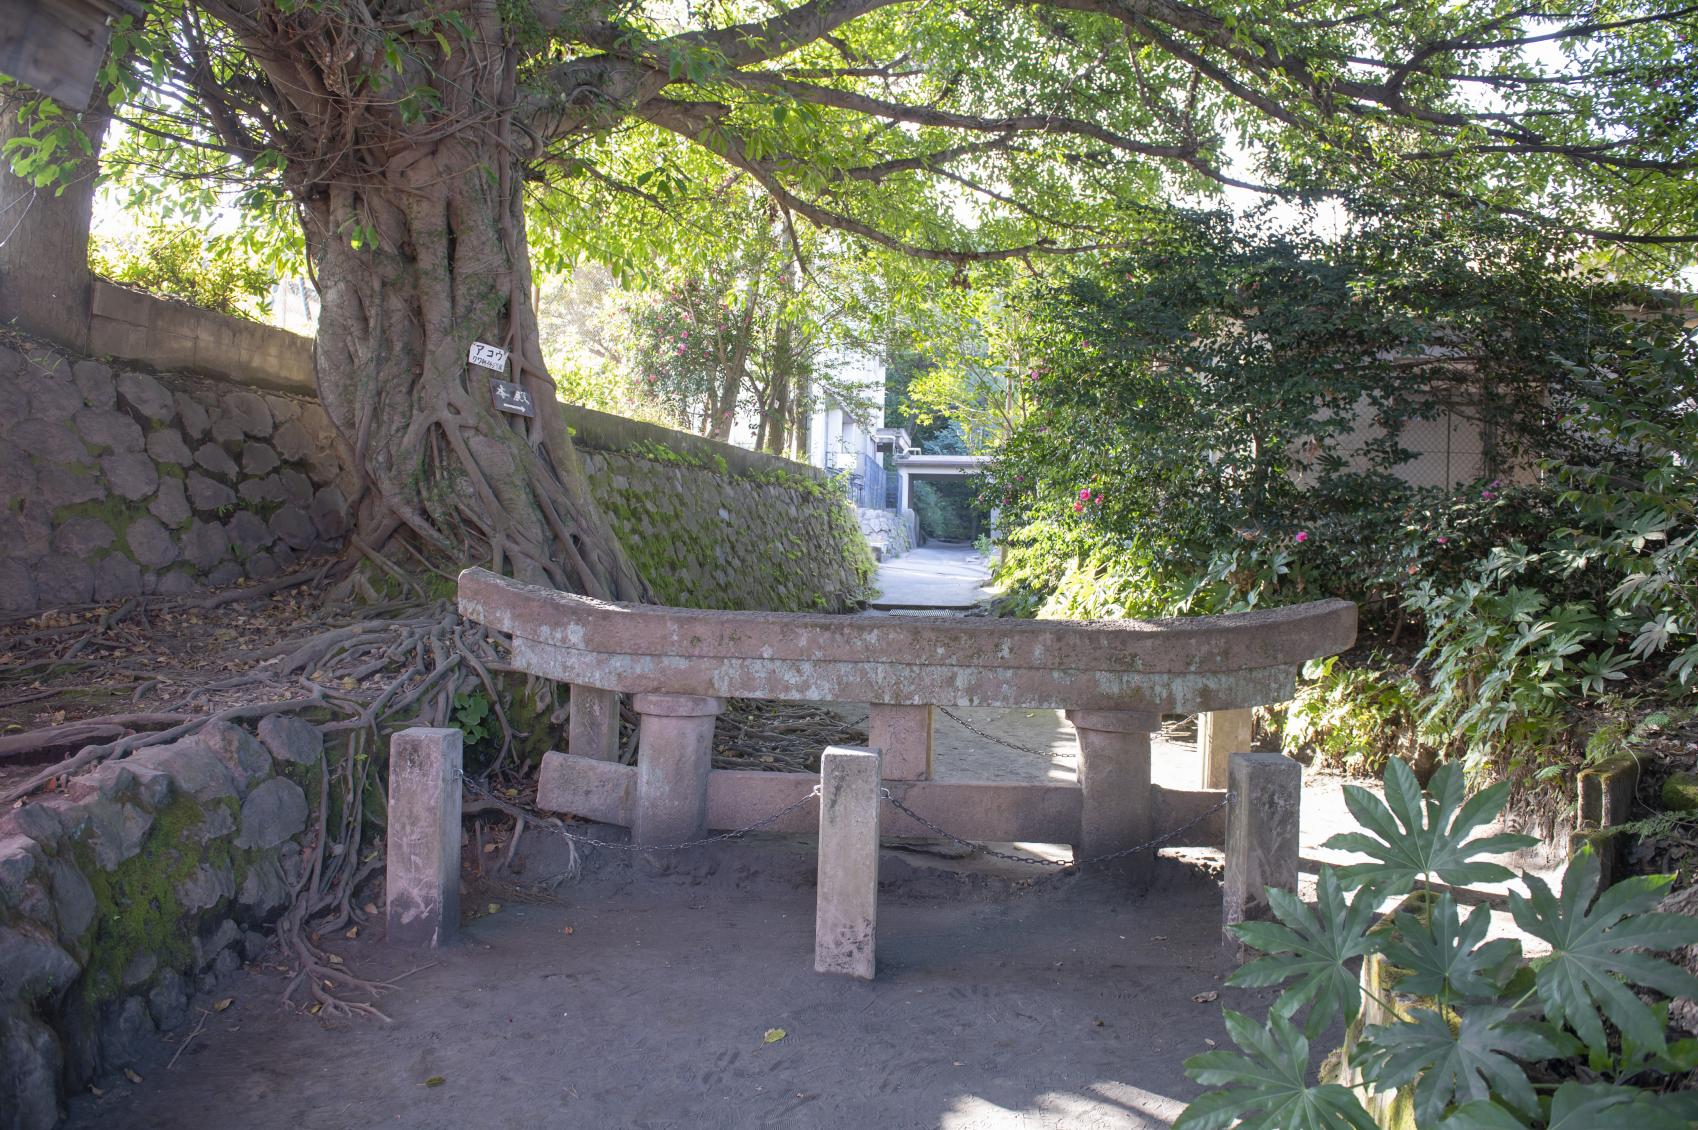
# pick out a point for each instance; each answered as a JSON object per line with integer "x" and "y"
{"x": 999, "y": 1003}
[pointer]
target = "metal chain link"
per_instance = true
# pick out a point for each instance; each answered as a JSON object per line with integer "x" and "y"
{"x": 550, "y": 824}
{"x": 1046, "y": 754}
{"x": 1064, "y": 864}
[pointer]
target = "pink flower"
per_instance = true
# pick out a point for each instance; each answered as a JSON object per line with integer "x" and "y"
{"x": 1085, "y": 495}
{"x": 680, "y": 350}
{"x": 1444, "y": 541}
{"x": 1302, "y": 536}
{"x": 1488, "y": 495}
{"x": 1078, "y": 506}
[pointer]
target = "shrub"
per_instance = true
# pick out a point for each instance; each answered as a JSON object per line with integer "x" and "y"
{"x": 186, "y": 264}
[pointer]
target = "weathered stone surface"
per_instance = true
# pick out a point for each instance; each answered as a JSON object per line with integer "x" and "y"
{"x": 124, "y": 1038}
{"x": 66, "y": 485}
{"x": 258, "y": 459}
{"x": 32, "y": 965}
{"x": 39, "y": 822}
{"x": 26, "y": 533}
{"x": 18, "y": 858}
{"x": 208, "y": 947}
{"x": 63, "y": 580}
{"x": 45, "y": 439}
{"x": 115, "y": 577}
{"x": 292, "y": 525}
{"x": 29, "y": 1071}
{"x": 238, "y": 750}
{"x": 130, "y": 474}
{"x": 264, "y": 890}
{"x": 217, "y": 822}
{"x": 225, "y": 430}
{"x": 226, "y": 574}
{"x": 261, "y": 566}
{"x": 150, "y": 542}
{"x": 176, "y": 582}
{"x": 206, "y": 544}
{"x": 168, "y": 1000}
{"x": 1220, "y": 734}
{"x": 73, "y": 898}
{"x": 194, "y": 417}
{"x": 846, "y": 904}
{"x": 273, "y": 812}
{"x": 17, "y": 474}
{"x": 205, "y": 887}
{"x": 146, "y": 395}
{"x": 291, "y": 738}
{"x": 171, "y": 504}
{"x": 248, "y": 533}
{"x": 293, "y": 442}
{"x": 53, "y": 398}
{"x": 250, "y": 412}
{"x": 80, "y": 537}
{"x": 254, "y": 945}
{"x": 423, "y": 861}
{"x": 267, "y": 489}
{"x": 94, "y": 381}
{"x": 17, "y": 585}
{"x": 166, "y": 446}
{"x": 109, "y": 429}
{"x": 115, "y": 831}
{"x": 1264, "y": 798}
{"x": 215, "y": 459}
{"x": 207, "y": 495}
{"x": 139, "y": 969}
{"x": 192, "y": 767}
{"x": 283, "y": 408}
{"x": 297, "y": 488}
{"x": 330, "y": 513}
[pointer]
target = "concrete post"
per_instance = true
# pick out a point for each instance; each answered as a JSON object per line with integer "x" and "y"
{"x": 423, "y": 889}
{"x": 1264, "y": 794}
{"x": 846, "y": 908}
{"x": 593, "y": 730}
{"x": 903, "y": 734}
{"x": 674, "y": 756}
{"x": 1220, "y": 734}
{"x": 1114, "y": 782}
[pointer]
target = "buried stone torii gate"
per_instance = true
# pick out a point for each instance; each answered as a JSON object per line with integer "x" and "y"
{"x": 1114, "y": 679}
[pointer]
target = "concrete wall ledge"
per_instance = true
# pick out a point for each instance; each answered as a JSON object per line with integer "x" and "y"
{"x": 166, "y": 334}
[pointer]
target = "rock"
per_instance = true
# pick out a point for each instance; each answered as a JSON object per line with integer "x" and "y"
{"x": 125, "y": 1036}
{"x": 218, "y": 822}
{"x": 268, "y": 489}
{"x": 130, "y": 474}
{"x": 292, "y": 525}
{"x": 17, "y": 585}
{"x": 80, "y": 537}
{"x": 263, "y": 889}
{"x": 273, "y": 812}
{"x": 208, "y": 495}
{"x": 192, "y": 767}
{"x": 171, "y": 504}
{"x": 94, "y": 381}
{"x": 166, "y": 446}
{"x": 291, "y": 738}
{"x": 209, "y": 947}
{"x": 116, "y": 831}
{"x": 38, "y": 822}
{"x": 215, "y": 459}
{"x": 122, "y": 780}
{"x": 68, "y": 485}
{"x": 45, "y": 439}
{"x": 283, "y": 409}
{"x": 53, "y": 398}
{"x": 293, "y": 442}
{"x": 79, "y": 1041}
{"x": 260, "y": 567}
{"x": 176, "y": 583}
{"x": 205, "y": 887}
{"x": 63, "y": 580}
{"x": 19, "y": 856}
{"x": 226, "y": 574}
{"x": 250, "y": 411}
{"x": 297, "y": 488}
{"x": 330, "y": 513}
{"x": 254, "y": 945}
{"x": 193, "y": 416}
{"x": 18, "y": 478}
{"x": 223, "y": 966}
{"x": 150, "y": 543}
{"x": 146, "y": 396}
{"x": 1680, "y": 793}
{"x": 226, "y": 430}
{"x": 168, "y": 1000}
{"x": 238, "y": 750}
{"x": 258, "y": 459}
{"x": 139, "y": 969}
{"x": 248, "y": 533}
{"x": 110, "y": 429}
{"x": 206, "y": 543}
{"x": 73, "y": 898}
{"x": 29, "y": 1071}
{"x": 116, "y": 576}
{"x": 32, "y": 965}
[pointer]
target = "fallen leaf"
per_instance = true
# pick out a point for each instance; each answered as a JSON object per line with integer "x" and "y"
{"x": 435, "y": 1081}
{"x": 370, "y": 908}
{"x": 773, "y": 1035}
{"x": 1205, "y": 998}
{"x": 567, "y": 930}
{"x": 313, "y": 1010}
{"x": 95, "y": 1091}
{"x": 494, "y": 907}
{"x": 334, "y": 958}
{"x": 220, "y": 1006}
{"x": 489, "y": 849}
{"x": 132, "y": 1076}
{"x": 352, "y": 932}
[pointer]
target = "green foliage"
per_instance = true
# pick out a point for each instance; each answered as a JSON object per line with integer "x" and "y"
{"x": 474, "y": 716}
{"x": 184, "y": 263}
{"x": 1464, "y": 1020}
{"x": 944, "y": 513}
{"x": 1353, "y": 717}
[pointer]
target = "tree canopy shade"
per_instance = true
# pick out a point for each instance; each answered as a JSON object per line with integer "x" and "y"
{"x": 407, "y": 137}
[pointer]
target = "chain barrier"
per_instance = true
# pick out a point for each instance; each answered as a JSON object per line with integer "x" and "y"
{"x": 1064, "y": 864}
{"x": 550, "y": 824}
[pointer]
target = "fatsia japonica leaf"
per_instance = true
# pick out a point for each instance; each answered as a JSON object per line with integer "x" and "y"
{"x": 1411, "y": 836}
{"x": 1449, "y": 958}
{"x": 1589, "y": 968}
{"x": 1474, "y": 1060}
{"x": 1269, "y": 1088}
{"x": 1482, "y": 1114}
{"x": 1313, "y": 948}
{"x": 1587, "y": 1106}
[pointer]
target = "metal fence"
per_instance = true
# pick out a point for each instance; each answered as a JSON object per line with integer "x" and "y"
{"x": 866, "y": 478}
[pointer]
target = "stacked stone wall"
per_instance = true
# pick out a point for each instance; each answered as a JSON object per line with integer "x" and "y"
{"x": 143, "y": 885}
{"x": 117, "y": 481}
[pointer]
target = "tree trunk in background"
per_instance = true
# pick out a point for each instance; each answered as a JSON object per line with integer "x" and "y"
{"x": 44, "y": 276}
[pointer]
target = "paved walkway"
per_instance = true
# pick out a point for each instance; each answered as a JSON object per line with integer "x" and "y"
{"x": 939, "y": 577}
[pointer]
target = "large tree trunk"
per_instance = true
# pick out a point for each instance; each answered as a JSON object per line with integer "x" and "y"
{"x": 441, "y": 263}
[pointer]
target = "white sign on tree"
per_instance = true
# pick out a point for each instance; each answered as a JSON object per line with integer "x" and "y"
{"x": 489, "y": 356}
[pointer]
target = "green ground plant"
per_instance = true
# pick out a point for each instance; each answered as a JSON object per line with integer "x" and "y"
{"x": 1472, "y": 1033}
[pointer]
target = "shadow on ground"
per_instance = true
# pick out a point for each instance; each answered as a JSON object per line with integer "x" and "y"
{"x": 1000, "y": 1002}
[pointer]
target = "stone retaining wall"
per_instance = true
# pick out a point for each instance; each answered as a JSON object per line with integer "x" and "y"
{"x": 144, "y": 884}
{"x": 118, "y": 481}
